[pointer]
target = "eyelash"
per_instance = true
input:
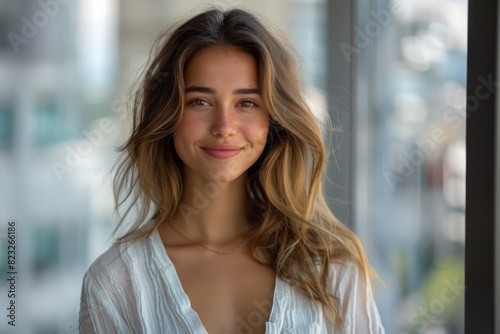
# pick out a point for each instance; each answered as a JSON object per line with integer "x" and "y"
{"x": 193, "y": 102}
{"x": 251, "y": 101}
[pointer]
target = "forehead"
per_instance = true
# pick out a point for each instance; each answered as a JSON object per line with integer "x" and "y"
{"x": 222, "y": 66}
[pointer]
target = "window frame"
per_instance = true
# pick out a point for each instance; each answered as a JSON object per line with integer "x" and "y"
{"x": 481, "y": 190}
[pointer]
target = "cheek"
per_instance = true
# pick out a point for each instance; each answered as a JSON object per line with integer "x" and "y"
{"x": 263, "y": 137}
{"x": 187, "y": 131}
{"x": 261, "y": 129}
{"x": 182, "y": 139}
{"x": 255, "y": 133}
{"x": 257, "y": 124}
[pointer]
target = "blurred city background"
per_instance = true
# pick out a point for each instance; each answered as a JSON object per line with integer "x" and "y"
{"x": 66, "y": 67}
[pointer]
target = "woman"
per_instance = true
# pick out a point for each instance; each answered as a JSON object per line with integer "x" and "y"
{"x": 229, "y": 160}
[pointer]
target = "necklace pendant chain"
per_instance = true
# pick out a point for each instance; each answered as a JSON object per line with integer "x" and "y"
{"x": 227, "y": 252}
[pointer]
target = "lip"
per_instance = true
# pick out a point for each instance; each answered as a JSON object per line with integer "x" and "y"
{"x": 222, "y": 152}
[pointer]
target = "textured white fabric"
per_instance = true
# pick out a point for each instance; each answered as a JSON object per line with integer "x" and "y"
{"x": 136, "y": 289}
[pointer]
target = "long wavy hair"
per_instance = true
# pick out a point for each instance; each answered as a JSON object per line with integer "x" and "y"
{"x": 293, "y": 230}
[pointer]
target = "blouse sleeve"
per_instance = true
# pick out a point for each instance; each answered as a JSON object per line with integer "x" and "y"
{"x": 358, "y": 306}
{"x": 99, "y": 311}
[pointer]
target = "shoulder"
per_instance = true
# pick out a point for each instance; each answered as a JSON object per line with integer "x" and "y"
{"x": 351, "y": 285}
{"x": 349, "y": 281}
{"x": 347, "y": 275}
{"x": 120, "y": 288}
{"x": 117, "y": 263}
{"x": 115, "y": 280}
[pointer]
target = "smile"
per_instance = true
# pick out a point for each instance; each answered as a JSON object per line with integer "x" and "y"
{"x": 221, "y": 153}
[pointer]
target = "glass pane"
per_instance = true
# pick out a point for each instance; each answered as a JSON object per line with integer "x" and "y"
{"x": 418, "y": 175}
{"x": 6, "y": 123}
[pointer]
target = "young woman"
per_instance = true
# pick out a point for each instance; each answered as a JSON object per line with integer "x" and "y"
{"x": 229, "y": 160}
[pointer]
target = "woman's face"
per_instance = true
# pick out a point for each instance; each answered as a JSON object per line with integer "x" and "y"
{"x": 224, "y": 125}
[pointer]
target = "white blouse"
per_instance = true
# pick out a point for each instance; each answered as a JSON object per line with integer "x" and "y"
{"x": 136, "y": 289}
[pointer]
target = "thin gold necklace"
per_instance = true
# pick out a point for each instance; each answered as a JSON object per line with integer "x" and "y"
{"x": 228, "y": 252}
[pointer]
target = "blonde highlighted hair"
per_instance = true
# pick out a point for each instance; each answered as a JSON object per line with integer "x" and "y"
{"x": 294, "y": 231}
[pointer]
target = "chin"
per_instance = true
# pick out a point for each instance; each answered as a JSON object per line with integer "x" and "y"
{"x": 223, "y": 175}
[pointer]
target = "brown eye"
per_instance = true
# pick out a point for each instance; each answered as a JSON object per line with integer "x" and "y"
{"x": 198, "y": 103}
{"x": 248, "y": 104}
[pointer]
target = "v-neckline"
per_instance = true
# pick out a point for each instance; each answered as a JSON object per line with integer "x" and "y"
{"x": 182, "y": 302}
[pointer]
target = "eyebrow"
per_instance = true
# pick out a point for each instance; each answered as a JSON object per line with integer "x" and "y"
{"x": 201, "y": 89}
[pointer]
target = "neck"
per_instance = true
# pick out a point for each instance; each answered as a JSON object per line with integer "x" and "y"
{"x": 213, "y": 212}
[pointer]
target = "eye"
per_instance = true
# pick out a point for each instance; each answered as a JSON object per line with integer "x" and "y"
{"x": 198, "y": 102}
{"x": 248, "y": 104}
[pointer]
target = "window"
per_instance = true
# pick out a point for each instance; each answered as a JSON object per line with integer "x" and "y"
{"x": 400, "y": 177}
{"x": 45, "y": 247}
{"x": 49, "y": 126}
{"x": 6, "y": 124}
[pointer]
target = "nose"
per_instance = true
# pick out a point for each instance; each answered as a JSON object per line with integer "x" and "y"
{"x": 224, "y": 122}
